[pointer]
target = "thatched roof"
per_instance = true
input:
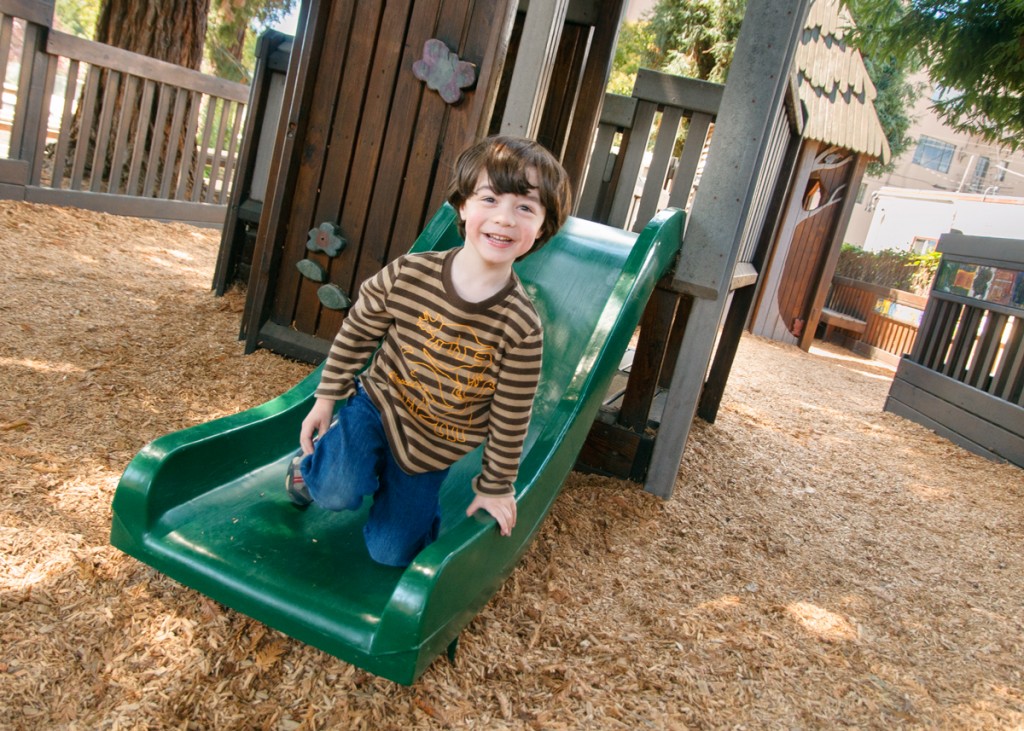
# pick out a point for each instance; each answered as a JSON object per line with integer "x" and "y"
{"x": 834, "y": 85}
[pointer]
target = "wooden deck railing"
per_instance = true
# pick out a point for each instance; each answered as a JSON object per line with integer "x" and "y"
{"x": 965, "y": 376}
{"x": 649, "y": 152}
{"x": 98, "y": 127}
{"x": 628, "y": 181}
{"x": 880, "y": 322}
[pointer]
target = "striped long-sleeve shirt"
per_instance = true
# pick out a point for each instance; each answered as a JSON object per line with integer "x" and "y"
{"x": 448, "y": 374}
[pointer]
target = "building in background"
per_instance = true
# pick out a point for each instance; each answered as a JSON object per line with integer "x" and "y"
{"x": 948, "y": 180}
{"x": 908, "y": 219}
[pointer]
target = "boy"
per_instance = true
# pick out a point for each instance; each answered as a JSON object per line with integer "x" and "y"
{"x": 458, "y": 362}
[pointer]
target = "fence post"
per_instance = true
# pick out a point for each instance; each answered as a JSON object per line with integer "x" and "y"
{"x": 30, "y": 113}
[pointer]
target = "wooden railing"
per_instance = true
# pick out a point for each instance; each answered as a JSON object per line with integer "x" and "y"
{"x": 879, "y": 322}
{"x": 629, "y": 180}
{"x": 649, "y": 152}
{"x": 965, "y": 375}
{"x": 98, "y": 127}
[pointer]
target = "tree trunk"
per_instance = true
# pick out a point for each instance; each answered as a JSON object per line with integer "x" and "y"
{"x": 170, "y": 30}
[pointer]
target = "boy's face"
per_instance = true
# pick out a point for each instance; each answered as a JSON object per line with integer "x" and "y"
{"x": 501, "y": 227}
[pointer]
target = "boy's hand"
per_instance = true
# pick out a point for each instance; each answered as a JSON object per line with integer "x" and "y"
{"x": 317, "y": 422}
{"x": 502, "y": 507}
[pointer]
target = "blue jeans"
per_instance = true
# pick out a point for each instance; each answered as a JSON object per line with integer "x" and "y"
{"x": 352, "y": 461}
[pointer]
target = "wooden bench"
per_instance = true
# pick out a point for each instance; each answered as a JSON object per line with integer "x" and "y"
{"x": 834, "y": 320}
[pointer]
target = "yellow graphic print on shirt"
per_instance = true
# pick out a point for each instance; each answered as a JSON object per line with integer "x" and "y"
{"x": 448, "y": 376}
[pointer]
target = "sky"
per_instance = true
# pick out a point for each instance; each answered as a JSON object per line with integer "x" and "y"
{"x": 288, "y": 23}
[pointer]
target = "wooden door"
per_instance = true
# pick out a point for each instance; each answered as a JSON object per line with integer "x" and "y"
{"x": 819, "y": 209}
{"x": 366, "y": 147}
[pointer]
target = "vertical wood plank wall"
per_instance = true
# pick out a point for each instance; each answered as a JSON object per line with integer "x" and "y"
{"x": 372, "y": 150}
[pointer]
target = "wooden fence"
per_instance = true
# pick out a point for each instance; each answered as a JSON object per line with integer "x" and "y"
{"x": 97, "y": 127}
{"x": 636, "y": 170}
{"x": 965, "y": 376}
{"x": 875, "y": 321}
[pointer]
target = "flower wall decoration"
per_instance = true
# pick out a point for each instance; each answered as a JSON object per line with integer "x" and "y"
{"x": 443, "y": 72}
{"x": 326, "y": 238}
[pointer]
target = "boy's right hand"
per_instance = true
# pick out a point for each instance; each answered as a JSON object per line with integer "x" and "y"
{"x": 316, "y": 423}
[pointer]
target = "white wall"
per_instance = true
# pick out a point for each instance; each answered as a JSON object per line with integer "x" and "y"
{"x": 896, "y": 221}
{"x": 1004, "y": 219}
{"x": 900, "y": 215}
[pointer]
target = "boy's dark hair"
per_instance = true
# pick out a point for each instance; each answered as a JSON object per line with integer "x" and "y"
{"x": 506, "y": 161}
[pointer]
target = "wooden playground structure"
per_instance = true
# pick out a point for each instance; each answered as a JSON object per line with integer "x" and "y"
{"x": 348, "y": 186}
{"x": 964, "y": 378}
{"x": 342, "y": 137}
{"x": 343, "y": 163}
{"x": 374, "y": 171}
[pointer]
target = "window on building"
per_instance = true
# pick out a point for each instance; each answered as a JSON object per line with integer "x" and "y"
{"x": 934, "y": 154}
{"x": 1001, "y": 169}
{"x": 860, "y": 192}
{"x": 923, "y": 245}
{"x": 980, "y": 173}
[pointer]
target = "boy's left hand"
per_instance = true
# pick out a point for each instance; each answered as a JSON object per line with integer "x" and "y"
{"x": 501, "y": 507}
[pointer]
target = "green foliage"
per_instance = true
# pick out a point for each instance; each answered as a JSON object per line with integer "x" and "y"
{"x": 77, "y": 17}
{"x": 974, "y": 50}
{"x": 890, "y": 268}
{"x": 635, "y": 50}
{"x": 696, "y": 38}
{"x": 232, "y": 29}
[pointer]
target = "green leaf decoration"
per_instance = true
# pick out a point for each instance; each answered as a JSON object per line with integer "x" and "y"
{"x": 333, "y": 297}
{"x": 311, "y": 270}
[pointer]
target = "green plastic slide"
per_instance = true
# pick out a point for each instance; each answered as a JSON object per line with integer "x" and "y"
{"x": 207, "y": 506}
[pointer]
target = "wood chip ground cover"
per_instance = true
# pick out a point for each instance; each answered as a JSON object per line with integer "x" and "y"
{"x": 823, "y": 564}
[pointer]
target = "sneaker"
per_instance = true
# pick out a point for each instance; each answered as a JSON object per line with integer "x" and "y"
{"x": 295, "y": 486}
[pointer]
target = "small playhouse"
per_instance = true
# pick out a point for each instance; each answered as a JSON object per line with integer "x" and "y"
{"x": 842, "y": 135}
